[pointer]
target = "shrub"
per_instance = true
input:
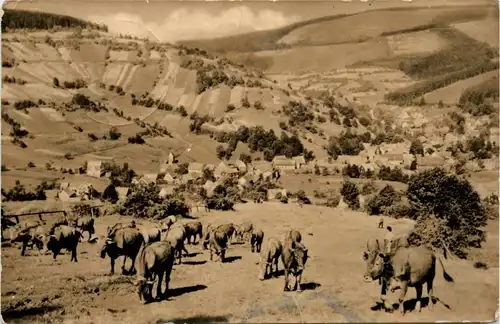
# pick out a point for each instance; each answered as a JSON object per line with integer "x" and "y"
{"x": 114, "y": 134}
{"x": 110, "y": 194}
{"x": 333, "y": 201}
{"x": 368, "y": 188}
{"x": 302, "y": 197}
{"x": 385, "y": 198}
{"x": 350, "y": 194}
{"x": 19, "y": 193}
{"x": 417, "y": 147}
{"x": 447, "y": 209}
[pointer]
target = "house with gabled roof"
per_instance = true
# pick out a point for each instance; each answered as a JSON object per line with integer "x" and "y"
{"x": 95, "y": 169}
{"x": 185, "y": 178}
{"x": 262, "y": 166}
{"x": 168, "y": 178}
{"x": 195, "y": 169}
{"x": 281, "y": 162}
{"x": 66, "y": 194}
{"x": 300, "y": 161}
{"x": 122, "y": 192}
{"x": 150, "y": 177}
{"x": 241, "y": 166}
{"x": 51, "y": 194}
{"x": 223, "y": 169}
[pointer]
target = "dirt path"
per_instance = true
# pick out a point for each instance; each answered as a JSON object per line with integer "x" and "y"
{"x": 40, "y": 290}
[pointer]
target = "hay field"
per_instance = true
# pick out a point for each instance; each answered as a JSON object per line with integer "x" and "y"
{"x": 333, "y": 279}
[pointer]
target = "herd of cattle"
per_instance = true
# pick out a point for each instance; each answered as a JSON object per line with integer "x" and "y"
{"x": 154, "y": 249}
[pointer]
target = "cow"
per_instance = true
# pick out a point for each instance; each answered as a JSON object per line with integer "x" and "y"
{"x": 208, "y": 230}
{"x": 150, "y": 233}
{"x": 269, "y": 256}
{"x": 111, "y": 230}
{"x": 256, "y": 240}
{"x": 244, "y": 230}
{"x": 153, "y": 261}
{"x": 166, "y": 223}
{"x": 64, "y": 237}
{"x": 85, "y": 224}
{"x": 192, "y": 230}
{"x": 218, "y": 244}
{"x": 124, "y": 242}
{"x": 406, "y": 267}
{"x": 176, "y": 236}
{"x": 373, "y": 248}
{"x": 229, "y": 229}
{"x": 294, "y": 258}
{"x": 32, "y": 234}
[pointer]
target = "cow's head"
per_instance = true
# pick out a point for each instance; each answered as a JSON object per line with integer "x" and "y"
{"x": 300, "y": 255}
{"x": 52, "y": 243}
{"x": 263, "y": 267}
{"x": 144, "y": 289}
{"x": 106, "y": 247}
{"x": 374, "y": 259}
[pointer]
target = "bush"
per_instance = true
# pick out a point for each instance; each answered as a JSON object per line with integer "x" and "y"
{"x": 447, "y": 209}
{"x": 19, "y": 193}
{"x": 368, "y": 188}
{"x": 302, "y": 197}
{"x": 114, "y": 134}
{"x": 385, "y": 198}
{"x": 110, "y": 194}
{"x": 417, "y": 147}
{"x": 333, "y": 201}
{"x": 350, "y": 194}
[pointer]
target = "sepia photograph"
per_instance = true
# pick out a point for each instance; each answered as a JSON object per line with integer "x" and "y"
{"x": 299, "y": 161}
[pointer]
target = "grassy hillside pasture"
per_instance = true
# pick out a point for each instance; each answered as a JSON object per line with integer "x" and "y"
{"x": 451, "y": 94}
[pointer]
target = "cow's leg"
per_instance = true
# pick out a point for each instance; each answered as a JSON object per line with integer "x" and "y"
{"x": 211, "y": 254}
{"x": 418, "y": 305}
{"x": 180, "y": 253}
{"x": 404, "y": 288}
{"x": 123, "y": 264}
{"x": 23, "y": 248}
{"x": 286, "y": 288}
{"x": 275, "y": 267}
{"x": 132, "y": 267}
{"x": 252, "y": 247}
{"x": 158, "y": 288}
{"x": 73, "y": 254}
{"x": 168, "y": 271}
{"x": 383, "y": 293}
{"x": 112, "y": 266}
{"x": 222, "y": 255}
{"x": 430, "y": 293}
{"x": 299, "y": 282}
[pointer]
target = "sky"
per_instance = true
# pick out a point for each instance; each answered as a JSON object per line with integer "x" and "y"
{"x": 179, "y": 20}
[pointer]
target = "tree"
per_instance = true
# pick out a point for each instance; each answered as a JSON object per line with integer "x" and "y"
{"x": 114, "y": 134}
{"x": 351, "y": 194}
{"x": 110, "y": 194}
{"x": 451, "y": 206}
{"x": 417, "y": 147}
{"x": 245, "y": 158}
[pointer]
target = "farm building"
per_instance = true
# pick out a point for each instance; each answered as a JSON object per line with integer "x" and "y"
{"x": 66, "y": 194}
{"x": 123, "y": 192}
{"x": 95, "y": 169}
{"x": 150, "y": 177}
{"x": 300, "y": 161}
{"x": 195, "y": 169}
{"x": 185, "y": 178}
{"x": 259, "y": 167}
{"x": 165, "y": 167}
{"x": 281, "y": 162}
{"x": 224, "y": 169}
{"x": 168, "y": 178}
{"x": 240, "y": 165}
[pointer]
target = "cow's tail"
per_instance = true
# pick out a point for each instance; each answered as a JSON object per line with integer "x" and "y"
{"x": 446, "y": 276}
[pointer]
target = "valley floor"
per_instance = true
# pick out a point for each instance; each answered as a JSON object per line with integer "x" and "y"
{"x": 38, "y": 289}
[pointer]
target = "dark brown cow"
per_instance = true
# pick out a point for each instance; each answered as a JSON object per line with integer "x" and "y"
{"x": 256, "y": 240}
{"x": 64, "y": 237}
{"x": 269, "y": 256}
{"x": 154, "y": 260}
{"x": 124, "y": 242}
{"x": 218, "y": 244}
{"x": 192, "y": 230}
{"x": 294, "y": 258}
